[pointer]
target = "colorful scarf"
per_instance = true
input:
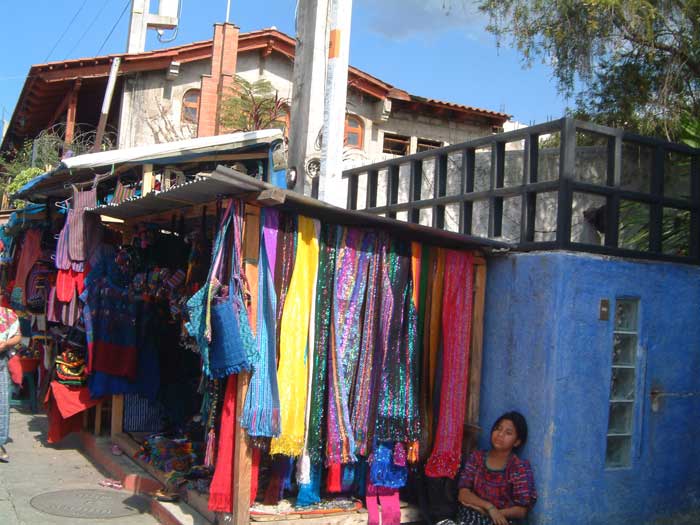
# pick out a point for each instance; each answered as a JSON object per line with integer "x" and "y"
{"x": 397, "y": 413}
{"x": 310, "y": 490}
{"x": 353, "y": 258}
{"x": 261, "y": 413}
{"x": 284, "y": 265}
{"x": 456, "y": 334}
{"x": 221, "y": 488}
{"x": 292, "y": 370}
{"x": 364, "y": 393}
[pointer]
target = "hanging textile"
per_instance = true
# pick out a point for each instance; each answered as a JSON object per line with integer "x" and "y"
{"x": 221, "y": 488}
{"x": 261, "y": 412}
{"x": 310, "y": 490}
{"x": 353, "y": 257}
{"x": 456, "y": 333}
{"x": 397, "y": 411}
{"x": 29, "y": 253}
{"x": 286, "y": 249}
{"x": 199, "y": 305}
{"x": 364, "y": 394}
{"x": 77, "y": 246}
{"x": 232, "y": 346}
{"x": 292, "y": 370}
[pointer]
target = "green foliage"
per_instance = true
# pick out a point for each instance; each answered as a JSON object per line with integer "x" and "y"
{"x": 22, "y": 178}
{"x": 16, "y": 167}
{"x": 638, "y": 60}
{"x": 675, "y": 225}
{"x": 252, "y": 106}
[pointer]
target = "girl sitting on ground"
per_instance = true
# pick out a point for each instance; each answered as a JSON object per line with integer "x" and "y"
{"x": 496, "y": 486}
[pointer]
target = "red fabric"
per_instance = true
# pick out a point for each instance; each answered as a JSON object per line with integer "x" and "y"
{"x": 254, "y": 473}
{"x": 29, "y": 254}
{"x": 64, "y": 405}
{"x": 14, "y": 365}
{"x": 221, "y": 488}
{"x": 113, "y": 359}
{"x": 333, "y": 481}
{"x": 456, "y": 335}
{"x": 71, "y": 400}
{"x": 67, "y": 281}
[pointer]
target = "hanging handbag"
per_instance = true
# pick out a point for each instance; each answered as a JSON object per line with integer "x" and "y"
{"x": 220, "y": 325}
{"x": 231, "y": 337}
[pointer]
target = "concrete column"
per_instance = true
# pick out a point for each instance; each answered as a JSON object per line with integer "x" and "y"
{"x": 136, "y": 41}
{"x": 308, "y": 89}
{"x": 332, "y": 188}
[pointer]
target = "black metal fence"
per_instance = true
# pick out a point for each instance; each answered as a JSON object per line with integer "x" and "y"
{"x": 566, "y": 184}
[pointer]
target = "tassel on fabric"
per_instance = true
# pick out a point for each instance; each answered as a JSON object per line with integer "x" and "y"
{"x": 209, "y": 454}
{"x": 310, "y": 493}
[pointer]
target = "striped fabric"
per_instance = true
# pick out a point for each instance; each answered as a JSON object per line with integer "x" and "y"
{"x": 122, "y": 193}
{"x": 76, "y": 221}
{"x": 4, "y": 401}
{"x": 62, "y": 257}
{"x": 141, "y": 414}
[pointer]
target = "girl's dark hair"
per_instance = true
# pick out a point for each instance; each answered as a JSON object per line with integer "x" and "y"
{"x": 519, "y": 423}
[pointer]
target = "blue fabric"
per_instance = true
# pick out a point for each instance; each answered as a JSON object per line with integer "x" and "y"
{"x": 197, "y": 304}
{"x": 383, "y": 472}
{"x": 261, "y": 412}
{"x": 310, "y": 493}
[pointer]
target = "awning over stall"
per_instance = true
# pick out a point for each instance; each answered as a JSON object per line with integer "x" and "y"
{"x": 83, "y": 167}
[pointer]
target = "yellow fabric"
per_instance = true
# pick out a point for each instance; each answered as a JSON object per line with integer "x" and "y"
{"x": 292, "y": 371}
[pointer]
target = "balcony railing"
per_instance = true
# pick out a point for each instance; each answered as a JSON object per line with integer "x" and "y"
{"x": 566, "y": 184}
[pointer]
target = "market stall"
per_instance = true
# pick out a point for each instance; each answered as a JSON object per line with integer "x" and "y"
{"x": 268, "y": 355}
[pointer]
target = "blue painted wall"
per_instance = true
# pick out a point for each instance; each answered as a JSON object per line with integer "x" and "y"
{"x": 547, "y": 354}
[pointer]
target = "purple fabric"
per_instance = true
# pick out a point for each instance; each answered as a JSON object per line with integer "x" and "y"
{"x": 270, "y": 229}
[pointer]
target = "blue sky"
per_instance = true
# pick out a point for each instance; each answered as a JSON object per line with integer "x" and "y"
{"x": 432, "y": 48}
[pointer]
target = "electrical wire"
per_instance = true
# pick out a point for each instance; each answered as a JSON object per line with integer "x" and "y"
{"x": 126, "y": 4}
{"x": 89, "y": 27}
{"x": 65, "y": 30}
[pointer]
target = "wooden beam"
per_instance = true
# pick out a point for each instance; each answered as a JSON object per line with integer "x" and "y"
{"x": 98, "y": 419}
{"x": 475, "y": 356}
{"x": 70, "y": 115}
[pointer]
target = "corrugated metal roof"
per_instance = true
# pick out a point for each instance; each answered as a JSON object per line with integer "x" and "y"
{"x": 228, "y": 182}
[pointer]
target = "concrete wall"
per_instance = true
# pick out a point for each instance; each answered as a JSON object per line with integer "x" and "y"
{"x": 547, "y": 354}
{"x": 151, "y": 106}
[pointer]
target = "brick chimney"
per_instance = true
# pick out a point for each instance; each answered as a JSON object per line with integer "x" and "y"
{"x": 223, "y": 71}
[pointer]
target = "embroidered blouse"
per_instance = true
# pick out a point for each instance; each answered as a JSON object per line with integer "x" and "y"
{"x": 514, "y": 485}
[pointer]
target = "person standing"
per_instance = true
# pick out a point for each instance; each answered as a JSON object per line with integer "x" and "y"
{"x": 9, "y": 337}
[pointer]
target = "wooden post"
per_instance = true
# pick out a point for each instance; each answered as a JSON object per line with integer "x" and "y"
{"x": 242, "y": 464}
{"x": 475, "y": 354}
{"x": 147, "y": 180}
{"x": 116, "y": 425}
{"x": 98, "y": 419}
{"x": 71, "y": 113}
{"x": 243, "y": 459}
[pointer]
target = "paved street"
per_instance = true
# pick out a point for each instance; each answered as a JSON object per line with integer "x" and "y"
{"x": 36, "y": 468}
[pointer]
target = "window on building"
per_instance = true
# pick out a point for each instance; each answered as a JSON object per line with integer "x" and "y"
{"x": 190, "y": 106}
{"x": 396, "y": 144}
{"x": 427, "y": 144}
{"x": 623, "y": 381}
{"x": 353, "y": 131}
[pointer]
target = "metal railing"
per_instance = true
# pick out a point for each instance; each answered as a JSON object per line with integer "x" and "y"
{"x": 566, "y": 184}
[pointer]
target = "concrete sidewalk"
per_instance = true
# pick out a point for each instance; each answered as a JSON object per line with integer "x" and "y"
{"x": 36, "y": 467}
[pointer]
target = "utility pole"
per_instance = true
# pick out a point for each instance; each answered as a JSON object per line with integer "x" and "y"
{"x": 142, "y": 20}
{"x": 320, "y": 73}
